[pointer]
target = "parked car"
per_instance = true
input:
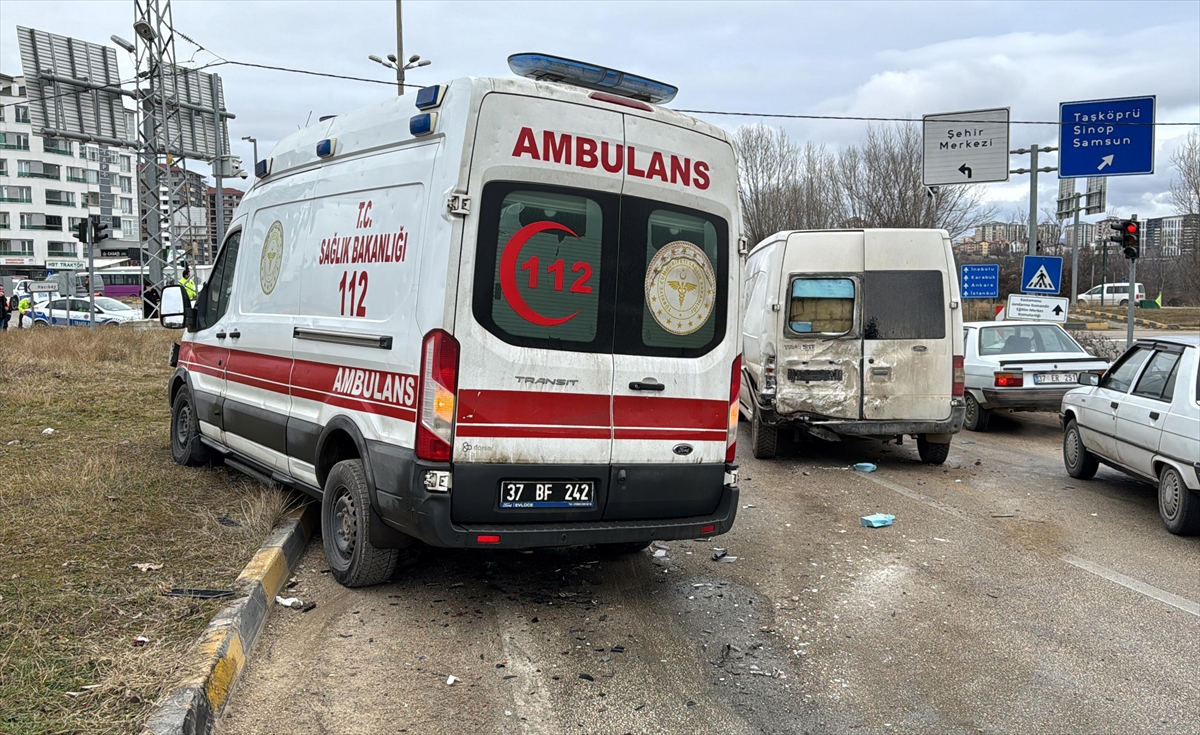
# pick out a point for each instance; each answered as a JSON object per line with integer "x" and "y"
{"x": 1115, "y": 294}
{"x": 853, "y": 333}
{"x": 1020, "y": 366}
{"x": 74, "y": 312}
{"x": 1143, "y": 418}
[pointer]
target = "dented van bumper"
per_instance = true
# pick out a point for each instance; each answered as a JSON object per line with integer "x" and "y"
{"x": 894, "y": 427}
{"x": 634, "y": 509}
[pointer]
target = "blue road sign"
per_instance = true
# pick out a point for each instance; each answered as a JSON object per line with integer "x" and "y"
{"x": 1106, "y": 137}
{"x": 1041, "y": 274}
{"x": 980, "y": 281}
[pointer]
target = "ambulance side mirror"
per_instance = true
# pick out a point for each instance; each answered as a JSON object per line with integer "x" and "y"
{"x": 174, "y": 311}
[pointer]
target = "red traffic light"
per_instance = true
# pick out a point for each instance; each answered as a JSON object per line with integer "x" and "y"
{"x": 1131, "y": 228}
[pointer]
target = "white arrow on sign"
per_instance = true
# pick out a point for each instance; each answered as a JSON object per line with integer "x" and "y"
{"x": 1106, "y": 161}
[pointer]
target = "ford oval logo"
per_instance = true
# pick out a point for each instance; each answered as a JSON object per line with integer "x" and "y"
{"x": 682, "y": 449}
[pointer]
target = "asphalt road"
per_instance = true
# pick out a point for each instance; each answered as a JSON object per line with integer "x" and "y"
{"x": 1006, "y": 597}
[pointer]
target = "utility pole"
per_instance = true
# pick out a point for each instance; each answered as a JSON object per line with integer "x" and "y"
{"x": 219, "y": 165}
{"x": 1033, "y": 172}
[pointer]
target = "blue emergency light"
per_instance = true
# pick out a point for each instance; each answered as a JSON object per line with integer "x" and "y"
{"x": 430, "y": 97}
{"x": 558, "y": 69}
{"x": 424, "y": 124}
{"x": 326, "y": 148}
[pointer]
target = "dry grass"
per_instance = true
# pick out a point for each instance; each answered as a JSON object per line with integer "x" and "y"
{"x": 80, "y": 506}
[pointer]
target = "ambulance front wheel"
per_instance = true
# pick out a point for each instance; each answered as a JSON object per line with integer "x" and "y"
{"x": 345, "y": 533}
{"x": 186, "y": 447}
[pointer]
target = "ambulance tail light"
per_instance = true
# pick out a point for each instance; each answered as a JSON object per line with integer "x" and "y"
{"x": 735, "y": 385}
{"x": 960, "y": 377}
{"x": 437, "y": 391}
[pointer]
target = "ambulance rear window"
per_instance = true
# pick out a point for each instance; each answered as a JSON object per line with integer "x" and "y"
{"x": 544, "y": 262}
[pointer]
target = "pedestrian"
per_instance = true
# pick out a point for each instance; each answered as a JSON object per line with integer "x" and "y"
{"x": 24, "y": 306}
{"x": 4, "y": 311}
{"x": 188, "y": 283}
{"x": 150, "y": 298}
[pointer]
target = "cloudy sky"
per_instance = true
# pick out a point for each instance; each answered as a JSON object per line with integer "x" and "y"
{"x": 890, "y": 59}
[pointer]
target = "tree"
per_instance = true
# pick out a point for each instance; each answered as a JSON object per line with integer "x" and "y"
{"x": 880, "y": 185}
{"x": 1185, "y": 191}
{"x": 784, "y": 186}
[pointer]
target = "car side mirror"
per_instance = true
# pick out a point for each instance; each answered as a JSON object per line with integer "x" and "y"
{"x": 1089, "y": 379}
{"x": 174, "y": 309}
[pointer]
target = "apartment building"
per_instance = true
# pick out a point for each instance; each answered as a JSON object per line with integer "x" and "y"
{"x": 47, "y": 185}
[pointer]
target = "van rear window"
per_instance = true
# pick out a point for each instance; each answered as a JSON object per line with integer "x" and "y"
{"x": 821, "y": 305}
{"x": 904, "y": 305}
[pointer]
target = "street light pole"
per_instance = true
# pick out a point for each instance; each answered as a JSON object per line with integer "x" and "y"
{"x": 399, "y": 53}
{"x": 254, "y": 142}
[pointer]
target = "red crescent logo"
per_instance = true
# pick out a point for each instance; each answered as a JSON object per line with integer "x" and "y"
{"x": 508, "y": 273}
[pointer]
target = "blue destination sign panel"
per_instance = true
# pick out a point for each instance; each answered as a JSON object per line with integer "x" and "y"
{"x": 1106, "y": 137}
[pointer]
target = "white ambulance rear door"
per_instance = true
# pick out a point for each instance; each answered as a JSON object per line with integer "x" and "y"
{"x": 677, "y": 332}
{"x": 537, "y": 282}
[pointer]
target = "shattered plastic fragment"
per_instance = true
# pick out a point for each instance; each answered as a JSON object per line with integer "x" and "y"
{"x": 139, "y": 641}
{"x": 864, "y": 467}
{"x": 288, "y": 601}
{"x": 878, "y": 520}
{"x": 147, "y": 567}
{"x": 452, "y": 680}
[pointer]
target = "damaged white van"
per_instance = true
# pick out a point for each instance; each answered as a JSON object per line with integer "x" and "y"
{"x": 497, "y": 313}
{"x": 853, "y": 333}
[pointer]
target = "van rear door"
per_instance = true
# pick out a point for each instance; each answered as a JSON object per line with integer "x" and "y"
{"x": 908, "y": 347}
{"x": 820, "y": 348}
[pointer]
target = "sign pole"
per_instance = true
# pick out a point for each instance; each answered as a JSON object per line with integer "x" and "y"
{"x": 1103, "y": 272}
{"x": 1032, "y": 248}
{"x": 1132, "y": 302}
{"x": 91, "y": 278}
{"x": 1075, "y": 255}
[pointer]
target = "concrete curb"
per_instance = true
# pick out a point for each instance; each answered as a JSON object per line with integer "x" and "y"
{"x": 219, "y": 655}
{"x": 1124, "y": 318}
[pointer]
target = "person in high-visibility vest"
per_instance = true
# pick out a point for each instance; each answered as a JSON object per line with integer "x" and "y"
{"x": 189, "y": 284}
{"x": 24, "y": 307}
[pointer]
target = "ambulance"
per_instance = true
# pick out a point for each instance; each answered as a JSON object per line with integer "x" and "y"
{"x": 496, "y": 313}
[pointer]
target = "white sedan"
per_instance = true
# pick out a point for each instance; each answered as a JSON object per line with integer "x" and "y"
{"x": 1020, "y": 366}
{"x": 73, "y": 312}
{"x": 1143, "y": 418}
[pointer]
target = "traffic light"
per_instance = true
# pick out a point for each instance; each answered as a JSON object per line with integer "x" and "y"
{"x": 81, "y": 230}
{"x": 1131, "y": 238}
{"x": 100, "y": 230}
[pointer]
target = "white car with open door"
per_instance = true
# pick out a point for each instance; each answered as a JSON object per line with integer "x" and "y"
{"x": 495, "y": 313}
{"x": 1143, "y": 418}
{"x": 1020, "y": 366}
{"x": 853, "y": 333}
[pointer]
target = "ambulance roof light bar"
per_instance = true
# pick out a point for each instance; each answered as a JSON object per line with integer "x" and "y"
{"x": 544, "y": 67}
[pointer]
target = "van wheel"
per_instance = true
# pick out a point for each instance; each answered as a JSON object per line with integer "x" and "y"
{"x": 763, "y": 438}
{"x": 930, "y": 452}
{"x": 978, "y": 417}
{"x": 1080, "y": 463}
{"x": 186, "y": 447}
{"x": 345, "y": 515}
{"x": 1178, "y": 506}
{"x": 1124, "y": 302}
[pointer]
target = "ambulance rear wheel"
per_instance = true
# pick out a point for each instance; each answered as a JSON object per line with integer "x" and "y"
{"x": 186, "y": 447}
{"x": 345, "y": 530}
{"x": 763, "y": 438}
{"x": 930, "y": 452}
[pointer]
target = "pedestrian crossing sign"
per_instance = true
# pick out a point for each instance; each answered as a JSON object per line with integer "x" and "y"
{"x": 1041, "y": 274}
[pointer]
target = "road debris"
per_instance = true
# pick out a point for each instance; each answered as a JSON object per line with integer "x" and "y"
{"x": 719, "y": 554}
{"x": 289, "y": 601}
{"x": 1004, "y": 515}
{"x": 452, "y": 680}
{"x": 587, "y": 677}
{"x": 659, "y": 553}
{"x": 878, "y": 520}
{"x": 147, "y": 567}
{"x": 140, "y": 640}
{"x": 47, "y": 431}
{"x": 863, "y": 467}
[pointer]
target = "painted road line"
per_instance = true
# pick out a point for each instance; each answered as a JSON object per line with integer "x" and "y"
{"x": 1136, "y": 585}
